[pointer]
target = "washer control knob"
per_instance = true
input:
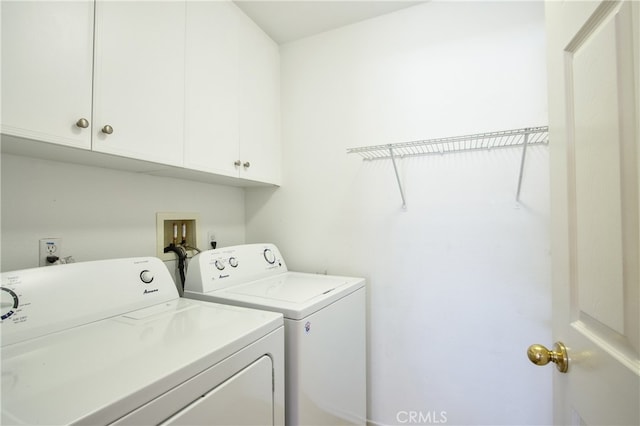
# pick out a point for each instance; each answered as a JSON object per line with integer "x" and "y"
{"x": 219, "y": 265}
{"x": 146, "y": 276}
{"x": 269, "y": 256}
{"x": 233, "y": 262}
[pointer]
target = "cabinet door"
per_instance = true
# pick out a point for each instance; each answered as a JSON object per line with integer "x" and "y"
{"x": 139, "y": 80}
{"x": 47, "y": 51}
{"x": 259, "y": 106}
{"x": 211, "y": 88}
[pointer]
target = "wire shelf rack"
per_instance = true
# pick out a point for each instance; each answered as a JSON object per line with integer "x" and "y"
{"x": 479, "y": 141}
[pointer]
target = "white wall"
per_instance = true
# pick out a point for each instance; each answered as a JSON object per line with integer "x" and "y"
{"x": 459, "y": 283}
{"x": 101, "y": 213}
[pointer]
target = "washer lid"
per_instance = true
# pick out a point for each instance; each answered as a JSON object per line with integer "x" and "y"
{"x": 295, "y": 294}
{"x": 291, "y": 287}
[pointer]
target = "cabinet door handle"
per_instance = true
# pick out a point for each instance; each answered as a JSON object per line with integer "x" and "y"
{"x": 237, "y": 163}
{"x": 107, "y": 129}
{"x": 246, "y": 164}
{"x": 83, "y": 123}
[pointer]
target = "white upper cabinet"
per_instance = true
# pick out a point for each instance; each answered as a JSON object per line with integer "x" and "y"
{"x": 232, "y": 95}
{"x": 47, "y": 53}
{"x": 259, "y": 103}
{"x": 211, "y": 88}
{"x": 139, "y": 80}
{"x": 170, "y": 87}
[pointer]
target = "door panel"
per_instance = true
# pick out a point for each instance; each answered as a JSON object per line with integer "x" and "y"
{"x": 593, "y": 95}
{"x": 603, "y": 186}
{"x": 244, "y": 399}
{"x": 139, "y": 80}
{"x": 259, "y": 104}
{"x": 211, "y": 88}
{"x": 47, "y": 52}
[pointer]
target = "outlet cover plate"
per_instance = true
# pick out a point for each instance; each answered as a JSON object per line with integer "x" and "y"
{"x": 49, "y": 247}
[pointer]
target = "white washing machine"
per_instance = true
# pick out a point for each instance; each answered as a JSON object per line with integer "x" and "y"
{"x": 325, "y": 327}
{"x": 111, "y": 342}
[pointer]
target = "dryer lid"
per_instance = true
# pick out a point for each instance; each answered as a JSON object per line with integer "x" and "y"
{"x": 98, "y": 372}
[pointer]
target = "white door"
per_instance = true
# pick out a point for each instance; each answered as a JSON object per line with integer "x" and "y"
{"x": 594, "y": 135}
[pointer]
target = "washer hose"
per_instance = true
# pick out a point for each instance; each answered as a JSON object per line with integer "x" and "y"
{"x": 182, "y": 255}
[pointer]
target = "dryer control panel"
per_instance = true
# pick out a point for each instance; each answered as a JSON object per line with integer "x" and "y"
{"x": 217, "y": 269}
{"x": 44, "y": 300}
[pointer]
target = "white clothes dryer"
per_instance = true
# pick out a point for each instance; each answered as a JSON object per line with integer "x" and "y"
{"x": 325, "y": 327}
{"x": 111, "y": 342}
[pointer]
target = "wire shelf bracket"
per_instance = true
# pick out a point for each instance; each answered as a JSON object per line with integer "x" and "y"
{"x": 524, "y": 138}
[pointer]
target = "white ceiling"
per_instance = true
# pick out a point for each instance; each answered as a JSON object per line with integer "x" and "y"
{"x": 290, "y": 20}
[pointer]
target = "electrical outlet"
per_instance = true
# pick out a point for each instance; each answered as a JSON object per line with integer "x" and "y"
{"x": 49, "y": 248}
{"x": 211, "y": 240}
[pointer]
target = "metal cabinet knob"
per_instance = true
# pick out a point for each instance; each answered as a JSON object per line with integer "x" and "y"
{"x": 539, "y": 355}
{"x": 107, "y": 129}
{"x": 246, "y": 164}
{"x": 237, "y": 163}
{"x": 83, "y": 123}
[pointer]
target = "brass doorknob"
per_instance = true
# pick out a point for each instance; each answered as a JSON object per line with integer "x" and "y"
{"x": 539, "y": 355}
